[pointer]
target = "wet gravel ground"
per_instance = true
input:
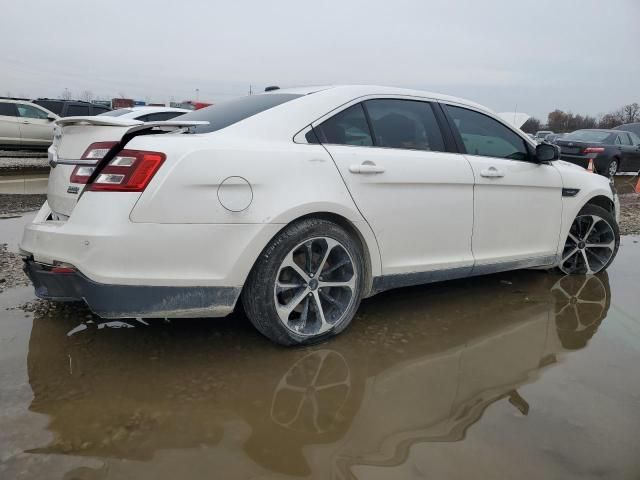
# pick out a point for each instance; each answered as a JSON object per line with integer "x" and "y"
{"x": 630, "y": 214}
{"x": 22, "y": 163}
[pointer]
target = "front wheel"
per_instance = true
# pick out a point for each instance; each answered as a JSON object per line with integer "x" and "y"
{"x": 307, "y": 284}
{"x": 612, "y": 168}
{"x": 592, "y": 243}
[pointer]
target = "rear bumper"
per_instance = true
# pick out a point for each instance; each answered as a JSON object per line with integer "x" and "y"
{"x": 122, "y": 301}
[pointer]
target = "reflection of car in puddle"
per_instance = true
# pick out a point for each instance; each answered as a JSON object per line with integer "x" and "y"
{"x": 418, "y": 365}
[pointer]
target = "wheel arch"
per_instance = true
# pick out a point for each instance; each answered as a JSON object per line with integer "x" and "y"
{"x": 365, "y": 238}
{"x": 601, "y": 201}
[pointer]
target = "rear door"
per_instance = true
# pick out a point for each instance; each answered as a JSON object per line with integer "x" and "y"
{"x": 36, "y": 128}
{"x": 9, "y": 124}
{"x": 635, "y": 153}
{"x": 628, "y": 152}
{"x": 518, "y": 202}
{"x": 415, "y": 194}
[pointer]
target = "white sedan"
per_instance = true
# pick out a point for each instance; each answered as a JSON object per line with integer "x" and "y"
{"x": 301, "y": 202}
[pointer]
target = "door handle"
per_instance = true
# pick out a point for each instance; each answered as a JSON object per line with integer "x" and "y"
{"x": 26, "y": 123}
{"x": 366, "y": 167}
{"x": 491, "y": 172}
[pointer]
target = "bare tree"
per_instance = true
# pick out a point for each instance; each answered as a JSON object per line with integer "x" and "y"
{"x": 631, "y": 113}
{"x": 532, "y": 125}
{"x": 86, "y": 95}
{"x": 122, "y": 95}
{"x": 66, "y": 94}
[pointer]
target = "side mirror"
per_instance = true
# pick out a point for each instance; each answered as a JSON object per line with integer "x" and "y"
{"x": 545, "y": 152}
{"x": 51, "y": 117}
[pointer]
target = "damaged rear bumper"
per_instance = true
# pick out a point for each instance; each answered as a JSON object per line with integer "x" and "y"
{"x": 125, "y": 301}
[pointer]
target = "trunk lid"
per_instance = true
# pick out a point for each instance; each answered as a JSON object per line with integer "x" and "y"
{"x": 72, "y": 137}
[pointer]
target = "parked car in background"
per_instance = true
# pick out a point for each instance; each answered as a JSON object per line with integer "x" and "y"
{"x": 552, "y": 137}
{"x": 70, "y": 108}
{"x": 147, "y": 114}
{"x": 610, "y": 150}
{"x": 69, "y": 171}
{"x": 282, "y": 201}
{"x": 24, "y": 124}
{"x": 542, "y": 134}
{"x": 630, "y": 127}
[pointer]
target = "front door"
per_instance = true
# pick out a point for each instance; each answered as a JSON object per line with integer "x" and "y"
{"x": 417, "y": 197}
{"x": 518, "y": 202}
{"x": 9, "y": 126}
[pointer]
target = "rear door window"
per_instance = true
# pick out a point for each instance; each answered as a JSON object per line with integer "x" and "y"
{"x": 624, "y": 139}
{"x": 8, "y": 109}
{"x": 77, "y": 110}
{"x": 348, "y": 127}
{"x": 485, "y": 136}
{"x": 404, "y": 124}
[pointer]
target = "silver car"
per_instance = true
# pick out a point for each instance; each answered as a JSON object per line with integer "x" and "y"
{"x": 25, "y": 124}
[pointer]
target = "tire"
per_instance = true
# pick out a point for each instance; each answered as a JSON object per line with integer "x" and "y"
{"x": 612, "y": 168}
{"x": 276, "y": 283}
{"x": 592, "y": 243}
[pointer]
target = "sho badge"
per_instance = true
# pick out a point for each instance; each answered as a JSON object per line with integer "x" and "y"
{"x": 72, "y": 189}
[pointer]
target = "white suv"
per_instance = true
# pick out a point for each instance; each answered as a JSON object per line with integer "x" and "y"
{"x": 301, "y": 202}
{"x": 25, "y": 124}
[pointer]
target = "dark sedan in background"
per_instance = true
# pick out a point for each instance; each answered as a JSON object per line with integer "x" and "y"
{"x": 612, "y": 151}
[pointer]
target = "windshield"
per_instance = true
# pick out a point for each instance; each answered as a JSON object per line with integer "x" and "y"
{"x": 227, "y": 113}
{"x": 590, "y": 136}
{"x": 116, "y": 113}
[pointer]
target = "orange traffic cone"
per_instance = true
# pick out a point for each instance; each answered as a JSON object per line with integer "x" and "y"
{"x": 637, "y": 189}
{"x": 590, "y": 167}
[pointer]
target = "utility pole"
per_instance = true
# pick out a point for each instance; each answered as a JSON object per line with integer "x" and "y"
{"x": 197, "y": 94}
{"x": 250, "y": 90}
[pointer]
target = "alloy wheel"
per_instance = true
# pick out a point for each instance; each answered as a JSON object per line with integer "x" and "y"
{"x": 589, "y": 247}
{"x": 613, "y": 168}
{"x": 315, "y": 286}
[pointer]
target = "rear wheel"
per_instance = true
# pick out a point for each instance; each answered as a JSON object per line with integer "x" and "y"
{"x": 612, "y": 168}
{"x": 306, "y": 286}
{"x": 592, "y": 242}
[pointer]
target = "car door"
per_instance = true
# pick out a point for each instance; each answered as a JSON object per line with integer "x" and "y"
{"x": 635, "y": 153}
{"x": 517, "y": 202}
{"x": 416, "y": 195}
{"x": 627, "y": 152}
{"x": 36, "y": 128}
{"x": 9, "y": 124}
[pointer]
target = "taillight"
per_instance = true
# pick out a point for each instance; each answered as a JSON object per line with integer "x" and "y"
{"x": 129, "y": 171}
{"x": 95, "y": 151}
{"x": 593, "y": 150}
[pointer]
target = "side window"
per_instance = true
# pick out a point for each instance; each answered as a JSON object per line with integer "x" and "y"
{"x": 486, "y": 137}
{"x": 624, "y": 139}
{"x": 27, "y": 111}
{"x": 97, "y": 110}
{"x": 8, "y": 109}
{"x": 77, "y": 110}
{"x": 406, "y": 124}
{"x": 349, "y": 127}
{"x": 635, "y": 139}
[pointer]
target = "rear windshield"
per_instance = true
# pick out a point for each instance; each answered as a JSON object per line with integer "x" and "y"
{"x": 227, "y": 113}
{"x": 116, "y": 113}
{"x": 593, "y": 136}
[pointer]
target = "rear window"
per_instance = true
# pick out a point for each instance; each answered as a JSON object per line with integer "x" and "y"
{"x": 590, "y": 136}
{"x": 227, "y": 113}
{"x": 116, "y": 113}
{"x": 51, "y": 105}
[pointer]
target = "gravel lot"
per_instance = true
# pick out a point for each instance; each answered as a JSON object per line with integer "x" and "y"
{"x": 23, "y": 163}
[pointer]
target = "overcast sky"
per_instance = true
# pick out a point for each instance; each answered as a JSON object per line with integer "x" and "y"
{"x": 582, "y": 56}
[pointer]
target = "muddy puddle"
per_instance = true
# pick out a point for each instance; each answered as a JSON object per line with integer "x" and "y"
{"x": 518, "y": 375}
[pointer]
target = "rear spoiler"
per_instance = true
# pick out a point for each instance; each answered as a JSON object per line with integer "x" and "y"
{"x": 135, "y": 128}
{"x": 125, "y": 122}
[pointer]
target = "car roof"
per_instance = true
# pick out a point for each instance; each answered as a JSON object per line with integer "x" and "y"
{"x": 362, "y": 90}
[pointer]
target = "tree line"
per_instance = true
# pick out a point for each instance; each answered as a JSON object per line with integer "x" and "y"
{"x": 561, "y": 122}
